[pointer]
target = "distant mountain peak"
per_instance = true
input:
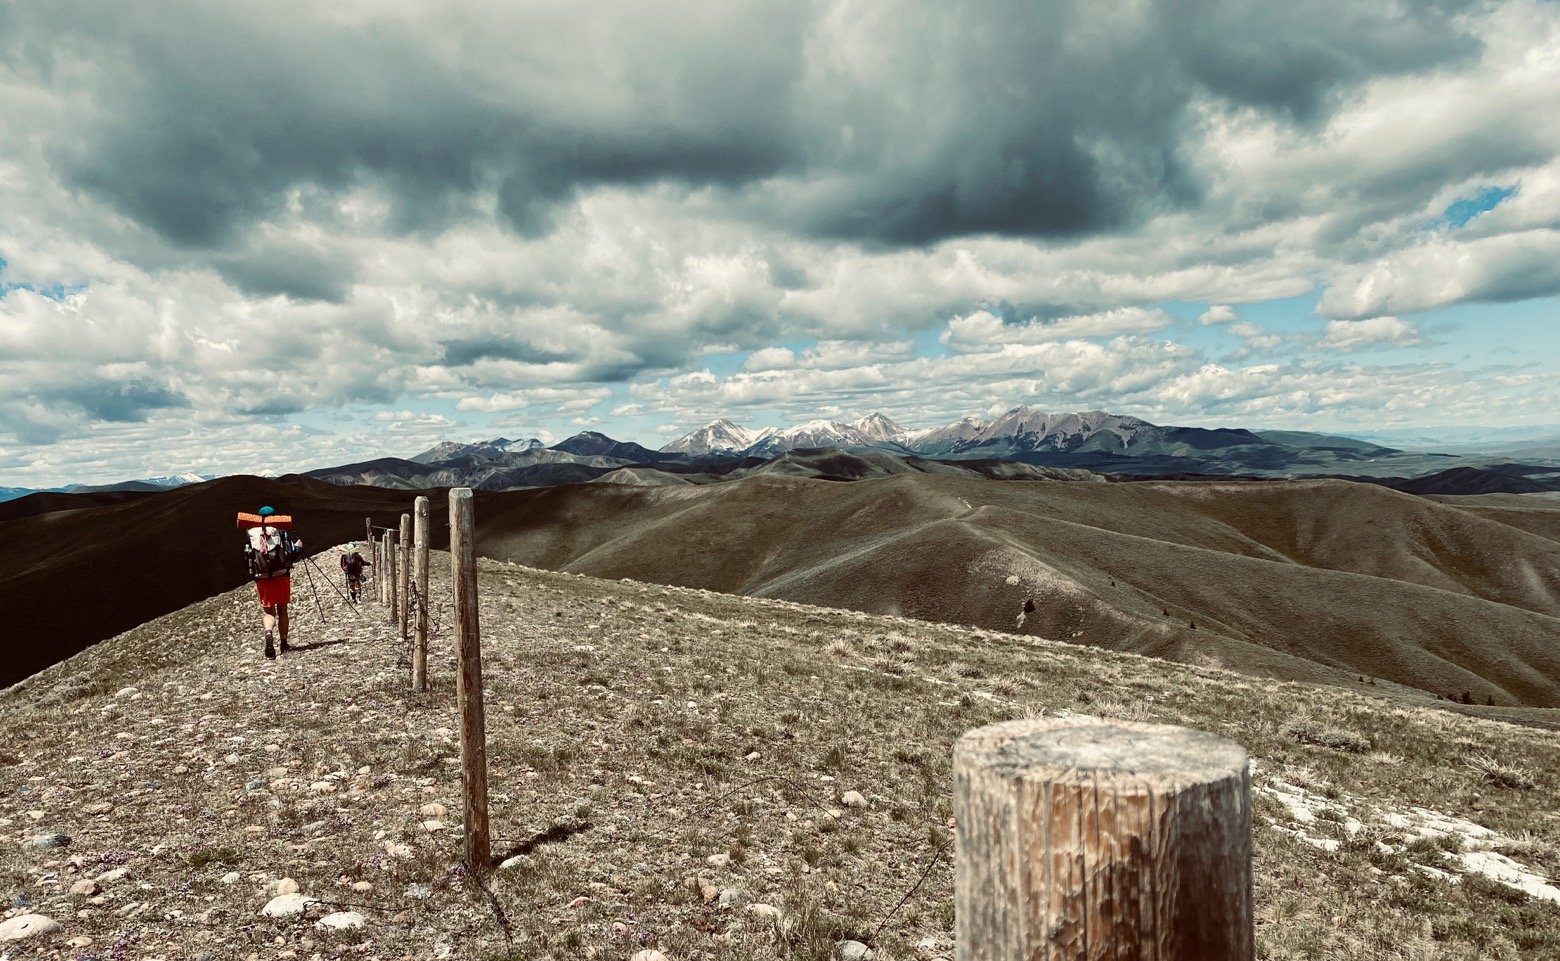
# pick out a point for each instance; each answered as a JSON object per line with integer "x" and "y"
{"x": 719, "y": 435}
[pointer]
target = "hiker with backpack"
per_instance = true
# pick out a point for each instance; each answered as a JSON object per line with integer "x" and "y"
{"x": 270, "y": 551}
{"x": 352, "y": 568}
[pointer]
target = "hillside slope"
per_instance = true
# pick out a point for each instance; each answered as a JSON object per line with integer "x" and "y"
{"x": 71, "y": 577}
{"x": 663, "y": 761}
{"x": 1315, "y": 581}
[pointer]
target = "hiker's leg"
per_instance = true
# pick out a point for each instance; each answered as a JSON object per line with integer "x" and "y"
{"x": 281, "y": 617}
{"x": 269, "y": 617}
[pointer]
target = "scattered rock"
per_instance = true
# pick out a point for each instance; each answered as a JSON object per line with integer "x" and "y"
{"x": 50, "y": 841}
{"x": 754, "y": 756}
{"x": 718, "y": 860}
{"x": 853, "y": 799}
{"x": 97, "y": 807}
{"x": 649, "y": 954}
{"x": 230, "y": 878}
{"x": 708, "y": 892}
{"x": 81, "y": 941}
{"x": 433, "y": 810}
{"x": 340, "y": 921}
{"x": 432, "y": 825}
{"x": 287, "y": 905}
{"x": 419, "y": 891}
{"x": 86, "y": 887}
{"x": 852, "y": 951}
{"x": 27, "y": 925}
{"x": 323, "y": 787}
{"x": 766, "y": 911}
{"x": 112, "y": 875}
{"x": 287, "y": 886}
{"x": 362, "y": 887}
{"x": 579, "y": 902}
{"x": 729, "y": 898}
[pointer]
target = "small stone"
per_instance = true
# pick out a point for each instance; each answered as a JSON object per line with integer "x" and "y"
{"x": 254, "y": 830}
{"x": 362, "y": 887}
{"x": 649, "y": 954}
{"x": 50, "y": 841}
{"x": 254, "y": 785}
{"x": 112, "y": 875}
{"x": 80, "y": 941}
{"x": 26, "y": 926}
{"x": 754, "y": 756}
{"x": 340, "y": 921}
{"x": 729, "y": 897}
{"x": 230, "y": 878}
{"x": 708, "y": 892}
{"x": 765, "y": 911}
{"x": 397, "y": 850}
{"x": 286, "y": 905}
{"x": 86, "y": 887}
{"x": 323, "y": 787}
{"x": 853, "y": 799}
{"x": 97, "y": 807}
{"x": 579, "y": 902}
{"x": 432, "y": 825}
{"x": 287, "y": 886}
{"x": 421, "y": 892}
{"x": 433, "y": 809}
{"x": 852, "y": 951}
{"x": 718, "y": 860}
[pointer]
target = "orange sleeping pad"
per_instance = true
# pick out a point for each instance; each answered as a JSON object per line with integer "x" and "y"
{"x": 280, "y": 521}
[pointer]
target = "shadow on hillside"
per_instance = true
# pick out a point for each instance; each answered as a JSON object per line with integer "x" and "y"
{"x": 313, "y": 645}
{"x": 554, "y": 834}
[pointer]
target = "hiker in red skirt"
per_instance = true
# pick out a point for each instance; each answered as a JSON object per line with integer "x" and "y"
{"x": 270, "y": 551}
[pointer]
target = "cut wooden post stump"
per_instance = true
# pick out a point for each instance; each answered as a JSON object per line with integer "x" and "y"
{"x": 1082, "y": 839}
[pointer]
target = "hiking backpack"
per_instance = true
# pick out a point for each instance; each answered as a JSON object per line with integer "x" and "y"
{"x": 270, "y": 552}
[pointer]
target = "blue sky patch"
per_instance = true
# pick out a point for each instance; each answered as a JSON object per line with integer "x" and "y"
{"x": 1464, "y": 209}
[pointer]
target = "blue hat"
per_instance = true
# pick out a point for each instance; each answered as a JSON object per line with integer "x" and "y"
{"x": 267, "y": 511}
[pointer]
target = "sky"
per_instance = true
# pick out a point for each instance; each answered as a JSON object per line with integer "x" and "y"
{"x": 244, "y": 237}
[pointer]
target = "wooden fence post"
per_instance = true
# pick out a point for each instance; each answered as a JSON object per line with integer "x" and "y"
{"x": 391, "y": 574}
{"x": 420, "y": 563}
{"x": 404, "y": 564}
{"x": 1082, "y": 839}
{"x": 373, "y": 552}
{"x": 468, "y": 680}
{"x": 384, "y": 567}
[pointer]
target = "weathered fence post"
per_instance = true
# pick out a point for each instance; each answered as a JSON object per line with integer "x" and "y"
{"x": 468, "y": 680}
{"x": 384, "y": 567}
{"x": 1082, "y": 839}
{"x": 420, "y": 562}
{"x": 391, "y": 578}
{"x": 373, "y": 552}
{"x": 404, "y": 565}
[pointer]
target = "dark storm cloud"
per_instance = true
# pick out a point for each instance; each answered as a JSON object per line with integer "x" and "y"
{"x": 467, "y": 351}
{"x": 896, "y": 122}
{"x": 1295, "y": 57}
{"x": 126, "y": 402}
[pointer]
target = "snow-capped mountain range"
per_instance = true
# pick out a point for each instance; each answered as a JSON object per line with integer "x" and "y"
{"x": 1018, "y": 430}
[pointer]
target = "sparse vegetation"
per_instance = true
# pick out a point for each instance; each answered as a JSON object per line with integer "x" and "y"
{"x": 622, "y": 758}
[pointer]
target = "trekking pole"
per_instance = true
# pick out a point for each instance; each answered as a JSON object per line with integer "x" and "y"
{"x": 314, "y": 590}
{"x": 316, "y": 565}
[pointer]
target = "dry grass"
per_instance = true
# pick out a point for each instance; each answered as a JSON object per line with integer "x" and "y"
{"x": 623, "y": 724}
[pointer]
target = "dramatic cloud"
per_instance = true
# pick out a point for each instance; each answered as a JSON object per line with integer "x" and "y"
{"x": 295, "y": 215}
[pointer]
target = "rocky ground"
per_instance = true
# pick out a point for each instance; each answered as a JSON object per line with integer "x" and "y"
{"x": 689, "y": 774}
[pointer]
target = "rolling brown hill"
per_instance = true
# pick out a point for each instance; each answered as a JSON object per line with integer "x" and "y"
{"x": 1319, "y": 581}
{"x": 1316, "y": 581}
{"x": 86, "y": 570}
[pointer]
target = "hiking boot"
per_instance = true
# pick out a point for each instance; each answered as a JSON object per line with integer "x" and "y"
{"x": 285, "y": 647}
{"x": 269, "y": 650}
